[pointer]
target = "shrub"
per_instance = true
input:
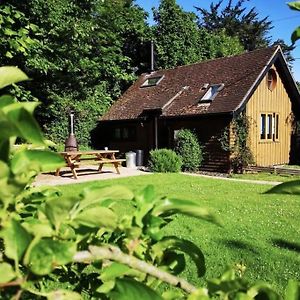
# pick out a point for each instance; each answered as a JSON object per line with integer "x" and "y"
{"x": 165, "y": 161}
{"x": 189, "y": 149}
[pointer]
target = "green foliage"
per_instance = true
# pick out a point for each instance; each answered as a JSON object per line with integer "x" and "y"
{"x": 165, "y": 161}
{"x": 237, "y": 22}
{"x": 82, "y": 63}
{"x": 241, "y": 154}
{"x": 179, "y": 41}
{"x": 188, "y": 148}
{"x": 296, "y": 34}
{"x": 17, "y": 34}
{"x": 176, "y": 35}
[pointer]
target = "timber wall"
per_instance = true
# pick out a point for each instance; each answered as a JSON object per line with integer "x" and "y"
{"x": 270, "y": 152}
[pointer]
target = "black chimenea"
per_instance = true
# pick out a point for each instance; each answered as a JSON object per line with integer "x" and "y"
{"x": 71, "y": 142}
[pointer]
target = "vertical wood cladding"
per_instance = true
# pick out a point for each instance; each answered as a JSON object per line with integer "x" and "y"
{"x": 269, "y": 152}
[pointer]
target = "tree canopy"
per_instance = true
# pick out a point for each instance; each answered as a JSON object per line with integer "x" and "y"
{"x": 237, "y": 21}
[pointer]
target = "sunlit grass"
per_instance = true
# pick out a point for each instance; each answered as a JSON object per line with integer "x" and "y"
{"x": 260, "y": 231}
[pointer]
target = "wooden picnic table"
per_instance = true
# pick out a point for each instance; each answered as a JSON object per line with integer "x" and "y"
{"x": 76, "y": 158}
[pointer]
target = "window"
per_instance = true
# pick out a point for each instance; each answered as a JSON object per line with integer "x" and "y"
{"x": 276, "y": 126}
{"x": 272, "y": 79}
{"x": 269, "y": 126}
{"x": 262, "y": 126}
{"x": 212, "y": 92}
{"x": 152, "y": 81}
{"x": 124, "y": 134}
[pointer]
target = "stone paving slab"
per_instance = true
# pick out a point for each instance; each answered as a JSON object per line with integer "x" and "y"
{"x": 85, "y": 173}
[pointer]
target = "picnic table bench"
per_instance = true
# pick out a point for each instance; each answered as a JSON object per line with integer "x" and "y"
{"x": 74, "y": 159}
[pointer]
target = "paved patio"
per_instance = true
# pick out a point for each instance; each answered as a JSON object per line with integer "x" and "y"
{"x": 85, "y": 173}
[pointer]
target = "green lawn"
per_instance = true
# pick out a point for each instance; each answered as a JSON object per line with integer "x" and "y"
{"x": 266, "y": 177}
{"x": 260, "y": 231}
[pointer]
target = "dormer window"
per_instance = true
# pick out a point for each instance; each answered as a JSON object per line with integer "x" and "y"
{"x": 212, "y": 92}
{"x": 152, "y": 81}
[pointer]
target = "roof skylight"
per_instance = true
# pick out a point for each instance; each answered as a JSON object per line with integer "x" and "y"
{"x": 152, "y": 81}
{"x": 212, "y": 92}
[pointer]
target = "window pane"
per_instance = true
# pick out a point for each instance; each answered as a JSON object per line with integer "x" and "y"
{"x": 262, "y": 126}
{"x": 277, "y": 127}
{"x": 117, "y": 133}
{"x": 269, "y": 128}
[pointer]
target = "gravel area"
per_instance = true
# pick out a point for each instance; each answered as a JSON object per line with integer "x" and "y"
{"x": 85, "y": 173}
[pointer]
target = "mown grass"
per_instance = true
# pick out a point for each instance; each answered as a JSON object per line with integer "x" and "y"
{"x": 266, "y": 176}
{"x": 261, "y": 231}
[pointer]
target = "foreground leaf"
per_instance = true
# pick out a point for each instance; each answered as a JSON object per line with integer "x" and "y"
{"x": 6, "y": 273}
{"x": 293, "y": 290}
{"x": 172, "y": 206}
{"x": 16, "y": 240}
{"x": 37, "y": 160}
{"x": 294, "y": 5}
{"x": 97, "y": 217}
{"x": 63, "y": 295}
{"x": 58, "y": 211}
{"x": 295, "y": 35}
{"x": 286, "y": 188}
{"x": 98, "y": 195}
{"x": 126, "y": 289}
{"x": 10, "y": 75}
{"x": 48, "y": 254}
{"x": 174, "y": 243}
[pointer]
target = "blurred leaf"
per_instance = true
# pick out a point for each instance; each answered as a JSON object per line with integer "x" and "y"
{"x": 172, "y": 206}
{"x": 38, "y": 228}
{"x": 174, "y": 243}
{"x": 16, "y": 239}
{"x": 295, "y": 35}
{"x": 145, "y": 196}
{"x": 113, "y": 271}
{"x": 24, "y": 122}
{"x": 126, "y": 289}
{"x": 9, "y": 75}
{"x": 263, "y": 291}
{"x": 154, "y": 225}
{"x": 293, "y": 290}
{"x": 6, "y": 100}
{"x": 38, "y": 160}
{"x": 58, "y": 211}
{"x": 294, "y": 5}
{"x": 6, "y": 272}
{"x": 97, "y": 195}
{"x": 63, "y": 295}
{"x": 4, "y": 149}
{"x": 199, "y": 294}
{"x": 97, "y": 217}
{"x": 48, "y": 254}
{"x": 290, "y": 188}
{"x": 173, "y": 295}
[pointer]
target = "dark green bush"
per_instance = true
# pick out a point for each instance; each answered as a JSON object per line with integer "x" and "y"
{"x": 188, "y": 148}
{"x": 164, "y": 161}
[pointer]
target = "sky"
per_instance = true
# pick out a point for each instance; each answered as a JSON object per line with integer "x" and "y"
{"x": 284, "y": 20}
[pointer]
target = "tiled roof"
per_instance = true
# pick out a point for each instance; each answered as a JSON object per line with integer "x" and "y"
{"x": 180, "y": 90}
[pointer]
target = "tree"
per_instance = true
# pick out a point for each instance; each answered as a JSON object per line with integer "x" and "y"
{"x": 246, "y": 25}
{"x": 179, "y": 41}
{"x": 82, "y": 63}
{"x": 176, "y": 35}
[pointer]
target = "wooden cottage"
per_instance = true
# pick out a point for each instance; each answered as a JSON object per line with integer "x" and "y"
{"x": 206, "y": 97}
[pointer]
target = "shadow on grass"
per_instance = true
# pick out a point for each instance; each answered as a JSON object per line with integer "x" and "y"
{"x": 286, "y": 245}
{"x": 232, "y": 244}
